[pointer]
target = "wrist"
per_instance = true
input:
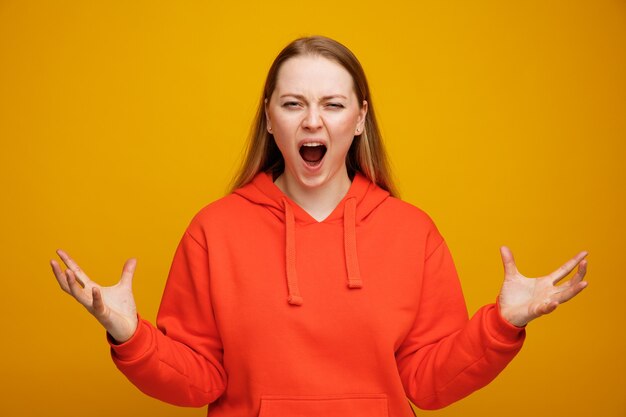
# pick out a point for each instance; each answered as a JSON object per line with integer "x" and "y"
{"x": 121, "y": 334}
{"x": 511, "y": 316}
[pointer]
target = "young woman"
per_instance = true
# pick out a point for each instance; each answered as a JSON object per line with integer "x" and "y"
{"x": 311, "y": 290}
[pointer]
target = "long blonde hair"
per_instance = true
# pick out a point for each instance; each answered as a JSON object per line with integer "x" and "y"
{"x": 366, "y": 154}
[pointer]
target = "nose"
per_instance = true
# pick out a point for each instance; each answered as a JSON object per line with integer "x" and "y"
{"x": 312, "y": 119}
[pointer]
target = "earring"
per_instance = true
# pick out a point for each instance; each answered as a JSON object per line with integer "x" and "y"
{"x": 269, "y": 129}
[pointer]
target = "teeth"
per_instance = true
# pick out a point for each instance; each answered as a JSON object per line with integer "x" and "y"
{"x": 312, "y": 144}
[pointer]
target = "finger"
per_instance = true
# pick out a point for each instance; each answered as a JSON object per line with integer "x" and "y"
{"x": 508, "y": 261}
{"x": 548, "y": 307}
{"x": 60, "y": 276}
{"x": 567, "y": 267}
{"x": 127, "y": 272}
{"x": 580, "y": 273}
{"x": 98, "y": 303}
{"x": 571, "y": 292}
{"x": 71, "y": 264}
{"x": 67, "y": 260}
{"x": 76, "y": 290}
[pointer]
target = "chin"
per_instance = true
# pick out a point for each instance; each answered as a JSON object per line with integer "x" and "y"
{"x": 316, "y": 180}
{"x": 307, "y": 180}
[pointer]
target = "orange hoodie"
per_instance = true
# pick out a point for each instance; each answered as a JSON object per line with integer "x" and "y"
{"x": 267, "y": 312}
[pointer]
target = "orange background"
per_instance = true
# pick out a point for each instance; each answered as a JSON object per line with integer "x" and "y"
{"x": 505, "y": 121}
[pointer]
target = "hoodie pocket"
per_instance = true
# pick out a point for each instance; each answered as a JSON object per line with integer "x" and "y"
{"x": 361, "y": 405}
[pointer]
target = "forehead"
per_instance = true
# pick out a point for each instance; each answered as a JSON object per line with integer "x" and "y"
{"x": 313, "y": 75}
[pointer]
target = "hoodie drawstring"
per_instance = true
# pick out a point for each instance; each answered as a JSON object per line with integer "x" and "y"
{"x": 349, "y": 234}
{"x": 290, "y": 256}
{"x": 352, "y": 260}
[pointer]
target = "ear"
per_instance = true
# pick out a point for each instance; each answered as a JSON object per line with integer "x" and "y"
{"x": 360, "y": 126}
{"x": 363, "y": 111}
{"x": 267, "y": 116}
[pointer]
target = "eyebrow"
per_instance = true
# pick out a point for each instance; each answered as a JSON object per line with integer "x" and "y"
{"x": 301, "y": 97}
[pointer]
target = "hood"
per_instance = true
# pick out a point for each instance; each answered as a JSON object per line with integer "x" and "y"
{"x": 360, "y": 201}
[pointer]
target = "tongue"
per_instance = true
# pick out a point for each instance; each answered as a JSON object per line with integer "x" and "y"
{"x": 312, "y": 153}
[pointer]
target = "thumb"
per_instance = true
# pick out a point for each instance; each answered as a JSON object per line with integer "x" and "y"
{"x": 508, "y": 261}
{"x": 127, "y": 272}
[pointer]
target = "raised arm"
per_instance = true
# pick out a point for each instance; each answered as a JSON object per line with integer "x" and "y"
{"x": 180, "y": 361}
{"x": 445, "y": 357}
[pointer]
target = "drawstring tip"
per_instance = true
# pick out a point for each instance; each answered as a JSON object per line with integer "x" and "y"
{"x": 294, "y": 300}
{"x": 355, "y": 283}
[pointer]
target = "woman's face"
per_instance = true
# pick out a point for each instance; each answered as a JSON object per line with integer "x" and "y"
{"x": 314, "y": 115}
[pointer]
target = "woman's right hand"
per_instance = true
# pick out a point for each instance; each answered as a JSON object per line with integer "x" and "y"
{"x": 114, "y": 307}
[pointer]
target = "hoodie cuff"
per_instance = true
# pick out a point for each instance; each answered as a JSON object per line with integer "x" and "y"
{"x": 136, "y": 346}
{"x": 501, "y": 330}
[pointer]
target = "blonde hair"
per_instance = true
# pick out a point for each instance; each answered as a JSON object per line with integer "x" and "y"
{"x": 366, "y": 154}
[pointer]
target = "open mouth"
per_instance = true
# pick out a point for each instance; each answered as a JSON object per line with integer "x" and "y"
{"x": 312, "y": 153}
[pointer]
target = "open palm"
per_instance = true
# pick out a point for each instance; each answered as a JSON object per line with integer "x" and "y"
{"x": 114, "y": 307}
{"x": 523, "y": 299}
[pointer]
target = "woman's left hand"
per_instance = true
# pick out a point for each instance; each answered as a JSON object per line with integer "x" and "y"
{"x": 523, "y": 299}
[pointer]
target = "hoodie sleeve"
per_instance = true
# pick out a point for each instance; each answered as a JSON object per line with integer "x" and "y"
{"x": 180, "y": 361}
{"x": 445, "y": 356}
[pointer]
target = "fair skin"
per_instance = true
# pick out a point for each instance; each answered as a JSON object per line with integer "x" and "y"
{"x": 114, "y": 307}
{"x": 314, "y": 103}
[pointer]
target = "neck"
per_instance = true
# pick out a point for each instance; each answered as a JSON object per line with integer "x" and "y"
{"x": 318, "y": 201}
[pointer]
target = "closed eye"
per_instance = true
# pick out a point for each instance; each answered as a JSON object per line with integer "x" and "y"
{"x": 291, "y": 104}
{"x": 336, "y": 105}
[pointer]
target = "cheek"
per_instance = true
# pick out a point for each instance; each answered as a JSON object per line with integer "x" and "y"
{"x": 282, "y": 131}
{"x": 345, "y": 126}
{"x": 285, "y": 125}
{"x": 281, "y": 143}
{"x": 341, "y": 139}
